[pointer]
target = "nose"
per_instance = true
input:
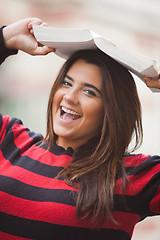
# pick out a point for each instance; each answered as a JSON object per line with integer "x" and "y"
{"x": 71, "y": 97}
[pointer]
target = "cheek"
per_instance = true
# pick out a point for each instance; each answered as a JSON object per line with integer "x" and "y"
{"x": 99, "y": 116}
{"x": 95, "y": 114}
{"x": 57, "y": 99}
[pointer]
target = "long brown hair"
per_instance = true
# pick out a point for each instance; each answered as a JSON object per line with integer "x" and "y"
{"x": 97, "y": 164}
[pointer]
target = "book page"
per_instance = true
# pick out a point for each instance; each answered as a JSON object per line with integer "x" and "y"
{"x": 51, "y": 34}
{"x": 68, "y": 41}
{"x": 131, "y": 60}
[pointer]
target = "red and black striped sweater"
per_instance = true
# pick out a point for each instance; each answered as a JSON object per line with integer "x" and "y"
{"x": 34, "y": 205}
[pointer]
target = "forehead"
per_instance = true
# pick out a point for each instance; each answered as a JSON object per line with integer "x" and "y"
{"x": 86, "y": 73}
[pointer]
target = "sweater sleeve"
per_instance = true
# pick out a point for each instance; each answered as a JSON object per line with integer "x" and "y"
{"x": 5, "y": 52}
{"x": 144, "y": 184}
{"x": 13, "y": 132}
{"x": 152, "y": 188}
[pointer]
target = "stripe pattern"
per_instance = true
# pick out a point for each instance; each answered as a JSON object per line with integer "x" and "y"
{"x": 34, "y": 205}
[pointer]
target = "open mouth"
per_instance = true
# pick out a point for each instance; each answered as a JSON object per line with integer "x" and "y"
{"x": 67, "y": 114}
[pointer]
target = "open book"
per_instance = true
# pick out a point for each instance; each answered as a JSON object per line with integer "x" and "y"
{"x": 67, "y": 41}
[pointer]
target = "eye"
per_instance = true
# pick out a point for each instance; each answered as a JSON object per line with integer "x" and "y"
{"x": 90, "y": 92}
{"x": 66, "y": 83}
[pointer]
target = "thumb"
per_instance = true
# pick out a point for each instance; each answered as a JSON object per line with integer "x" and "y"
{"x": 42, "y": 50}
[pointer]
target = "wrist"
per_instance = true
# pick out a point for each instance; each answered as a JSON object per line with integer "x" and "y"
{"x": 3, "y": 48}
{"x": 8, "y": 38}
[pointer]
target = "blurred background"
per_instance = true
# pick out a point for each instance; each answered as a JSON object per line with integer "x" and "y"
{"x": 25, "y": 81}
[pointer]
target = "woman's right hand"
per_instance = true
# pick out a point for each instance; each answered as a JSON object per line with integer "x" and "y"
{"x": 19, "y": 35}
{"x": 152, "y": 83}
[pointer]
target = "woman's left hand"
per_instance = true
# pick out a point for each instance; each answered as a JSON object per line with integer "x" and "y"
{"x": 152, "y": 83}
{"x": 19, "y": 35}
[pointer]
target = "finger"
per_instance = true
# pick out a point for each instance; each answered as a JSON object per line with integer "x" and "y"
{"x": 31, "y": 31}
{"x": 43, "y": 50}
{"x": 36, "y": 21}
{"x": 44, "y": 24}
{"x": 152, "y": 82}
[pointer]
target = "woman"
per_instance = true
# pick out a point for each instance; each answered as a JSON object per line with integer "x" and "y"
{"x": 80, "y": 180}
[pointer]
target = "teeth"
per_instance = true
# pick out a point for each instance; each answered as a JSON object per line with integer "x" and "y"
{"x": 69, "y": 111}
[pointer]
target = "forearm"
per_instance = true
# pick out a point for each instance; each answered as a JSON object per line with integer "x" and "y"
{"x": 4, "y": 51}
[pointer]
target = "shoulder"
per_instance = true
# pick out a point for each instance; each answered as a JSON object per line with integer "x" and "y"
{"x": 13, "y": 130}
{"x": 138, "y": 163}
{"x": 133, "y": 160}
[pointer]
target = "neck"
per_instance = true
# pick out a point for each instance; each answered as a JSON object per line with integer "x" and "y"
{"x": 65, "y": 143}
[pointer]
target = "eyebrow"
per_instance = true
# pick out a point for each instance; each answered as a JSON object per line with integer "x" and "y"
{"x": 86, "y": 85}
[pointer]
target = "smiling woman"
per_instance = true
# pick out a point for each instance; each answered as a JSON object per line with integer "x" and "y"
{"x": 108, "y": 107}
{"x": 81, "y": 176}
{"x": 78, "y": 106}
